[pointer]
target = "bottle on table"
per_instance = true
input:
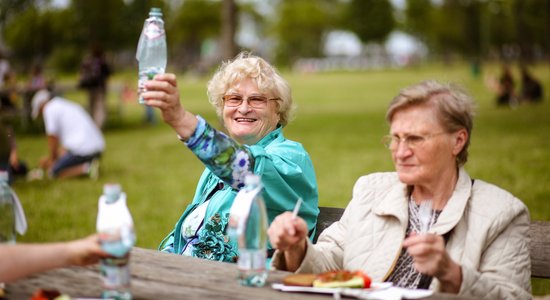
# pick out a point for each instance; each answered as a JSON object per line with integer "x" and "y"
{"x": 7, "y": 211}
{"x": 116, "y": 234}
{"x": 151, "y": 51}
{"x": 12, "y": 217}
{"x": 248, "y": 224}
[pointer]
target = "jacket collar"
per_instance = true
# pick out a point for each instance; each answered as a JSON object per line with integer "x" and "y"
{"x": 266, "y": 140}
{"x": 454, "y": 209}
{"x": 395, "y": 203}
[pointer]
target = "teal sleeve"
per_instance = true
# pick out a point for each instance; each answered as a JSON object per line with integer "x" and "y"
{"x": 226, "y": 158}
{"x": 287, "y": 174}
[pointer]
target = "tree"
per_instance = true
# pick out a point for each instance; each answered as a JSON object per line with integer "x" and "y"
{"x": 99, "y": 23}
{"x": 193, "y": 23}
{"x": 229, "y": 27}
{"x": 300, "y": 28}
{"x": 418, "y": 18}
{"x": 371, "y": 20}
{"x": 30, "y": 36}
{"x": 533, "y": 22}
{"x": 475, "y": 28}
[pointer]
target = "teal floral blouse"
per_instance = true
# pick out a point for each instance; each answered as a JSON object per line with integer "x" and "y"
{"x": 287, "y": 174}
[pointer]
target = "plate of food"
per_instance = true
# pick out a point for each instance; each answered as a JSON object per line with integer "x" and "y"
{"x": 333, "y": 282}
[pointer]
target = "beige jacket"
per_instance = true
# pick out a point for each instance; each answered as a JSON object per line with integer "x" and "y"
{"x": 489, "y": 236}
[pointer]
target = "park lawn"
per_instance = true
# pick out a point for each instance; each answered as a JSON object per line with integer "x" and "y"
{"x": 339, "y": 120}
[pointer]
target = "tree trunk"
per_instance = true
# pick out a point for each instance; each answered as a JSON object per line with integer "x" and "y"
{"x": 229, "y": 27}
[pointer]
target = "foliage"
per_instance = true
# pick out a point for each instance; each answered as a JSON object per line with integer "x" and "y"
{"x": 300, "y": 29}
{"x": 30, "y": 35}
{"x": 34, "y": 30}
{"x": 371, "y": 20}
{"x": 195, "y": 22}
{"x": 481, "y": 28}
{"x": 9, "y": 9}
{"x": 532, "y": 16}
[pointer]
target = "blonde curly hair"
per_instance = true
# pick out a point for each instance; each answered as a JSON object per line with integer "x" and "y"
{"x": 269, "y": 81}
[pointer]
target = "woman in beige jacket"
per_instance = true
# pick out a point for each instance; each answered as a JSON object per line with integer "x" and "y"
{"x": 427, "y": 225}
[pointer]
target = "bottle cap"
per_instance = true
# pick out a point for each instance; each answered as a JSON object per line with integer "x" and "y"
{"x": 4, "y": 176}
{"x": 155, "y": 11}
{"x": 111, "y": 191}
{"x": 252, "y": 179}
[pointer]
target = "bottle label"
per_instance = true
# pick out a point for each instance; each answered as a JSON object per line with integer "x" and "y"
{"x": 116, "y": 273}
{"x": 144, "y": 76}
{"x": 241, "y": 208}
{"x": 251, "y": 260}
{"x": 153, "y": 31}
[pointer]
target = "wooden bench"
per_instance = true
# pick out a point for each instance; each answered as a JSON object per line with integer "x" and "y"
{"x": 539, "y": 233}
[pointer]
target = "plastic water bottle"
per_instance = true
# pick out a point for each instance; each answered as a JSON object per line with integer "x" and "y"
{"x": 12, "y": 216}
{"x": 151, "y": 51}
{"x": 116, "y": 234}
{"x": 248, "y": 224}
{"x": 7, "y": 211}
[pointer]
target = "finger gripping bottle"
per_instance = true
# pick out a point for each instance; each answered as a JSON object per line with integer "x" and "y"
{"x": 116, "y": 234}
{"x": 151, "y": 51}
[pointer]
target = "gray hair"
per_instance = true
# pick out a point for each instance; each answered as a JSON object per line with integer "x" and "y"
{"x": 266, "y": 77}
{"x": 455, "y": 108}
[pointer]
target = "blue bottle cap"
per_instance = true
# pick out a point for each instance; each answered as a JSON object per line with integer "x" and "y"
{"x": 155, "y": 11}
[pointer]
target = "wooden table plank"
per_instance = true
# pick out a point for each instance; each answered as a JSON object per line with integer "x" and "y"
{"x": 158, "y": 275}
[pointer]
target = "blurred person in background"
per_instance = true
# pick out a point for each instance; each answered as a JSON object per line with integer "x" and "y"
{"x": 9, "y": 94}
{"x": 506, "y": 88}
{"x": 75, "y": 143}
{"x": 9, "y": 158}
{"x": 531, "y": 88}
{"x": 94, "y": 73}
{"x": 254, "y": 104}
{"x": 429, "y": 224}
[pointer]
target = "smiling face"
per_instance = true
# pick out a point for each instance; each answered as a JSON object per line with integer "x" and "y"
{"x": 245, "y": 124}
{"x": 428, "y": 161}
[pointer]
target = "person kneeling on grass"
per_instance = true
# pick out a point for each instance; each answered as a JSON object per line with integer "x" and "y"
{"x": 428, "y": 224}
{"x": 75, "y": 142}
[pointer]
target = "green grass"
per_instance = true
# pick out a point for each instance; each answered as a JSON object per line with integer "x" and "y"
{"x": 340, "y": 120}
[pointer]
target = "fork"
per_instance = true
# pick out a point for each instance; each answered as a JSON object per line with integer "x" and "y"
{"x": 425, "y": 215}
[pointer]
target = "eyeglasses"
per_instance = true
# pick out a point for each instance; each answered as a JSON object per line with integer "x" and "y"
{"x": 412, "y": 141}
{"x": 255, "y": 101}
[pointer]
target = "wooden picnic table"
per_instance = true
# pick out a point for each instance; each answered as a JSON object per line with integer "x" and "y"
{"x": 157, "y": 275}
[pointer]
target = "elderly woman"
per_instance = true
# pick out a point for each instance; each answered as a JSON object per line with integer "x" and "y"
{"x": 427, "y": 225}
{"x": 254, "y": 103}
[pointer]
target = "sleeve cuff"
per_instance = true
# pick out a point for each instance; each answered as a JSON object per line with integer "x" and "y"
{"x": 196, "y": 136}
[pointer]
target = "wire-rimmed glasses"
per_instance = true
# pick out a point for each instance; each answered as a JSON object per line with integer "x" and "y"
{"x": 255, "y": 101}
{"x": 412, "y": 141}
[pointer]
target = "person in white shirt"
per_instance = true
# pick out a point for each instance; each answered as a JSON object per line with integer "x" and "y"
{"x": 75, "y": 142}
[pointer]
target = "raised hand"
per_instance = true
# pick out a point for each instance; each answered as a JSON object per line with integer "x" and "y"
{"x": 162, "y": 93}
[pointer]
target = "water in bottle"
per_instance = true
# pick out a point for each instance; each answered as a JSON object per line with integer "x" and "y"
{"x": 116, "y": 234}
{"x": 12, "y": 216}
{"x": 151, "y": 51}
{"x": 7, "y": 211}
{"x": 248, "y": 224}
